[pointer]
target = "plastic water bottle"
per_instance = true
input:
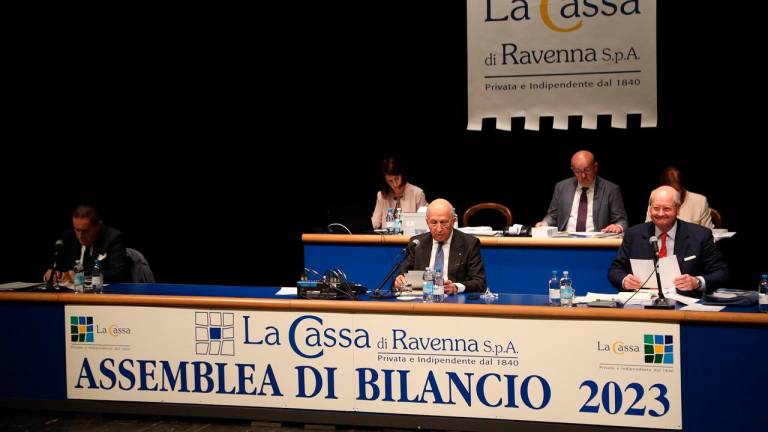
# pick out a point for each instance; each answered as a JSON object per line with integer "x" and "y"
{"x": 762, "y": 294}
{"x": 389, "y": 221}
{"x": 398, "y": 221}
{"x": 554, "y": 289}
{"x": 97, "y": 279}
{"x": 438, "y": 292}
{"x": 79, "y": 280}
{"x": 428, "y": 286}
{"x": 566, "y": 290}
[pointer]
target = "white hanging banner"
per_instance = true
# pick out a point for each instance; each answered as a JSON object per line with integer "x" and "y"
{"x": 560, "y": 58}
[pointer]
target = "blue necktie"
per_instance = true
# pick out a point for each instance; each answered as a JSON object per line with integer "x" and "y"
{"x": 439, "y": 258}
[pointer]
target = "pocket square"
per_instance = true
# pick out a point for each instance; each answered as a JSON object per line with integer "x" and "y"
{"x": 689, "y": 258}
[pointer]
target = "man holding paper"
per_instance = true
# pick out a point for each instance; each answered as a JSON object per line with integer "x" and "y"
{"x": 701, "y": 265}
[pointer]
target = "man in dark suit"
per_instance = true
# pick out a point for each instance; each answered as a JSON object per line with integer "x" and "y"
{"x": 701, "y": 264}
{"x": 460, "y": 252}
{"x": 595, "y": 205}
{"x": 87, "y": 240}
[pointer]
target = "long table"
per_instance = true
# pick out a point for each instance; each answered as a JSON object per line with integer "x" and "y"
{"x": 512, "y": 264}
{"x": 720, "y": 354}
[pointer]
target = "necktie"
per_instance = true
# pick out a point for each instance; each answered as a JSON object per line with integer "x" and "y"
{"x": 581, "y": 220}
{"x": 439, "y": 258}
{"x": 663, "y": 250}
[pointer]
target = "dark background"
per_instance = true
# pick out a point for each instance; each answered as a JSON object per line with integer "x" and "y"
{"x": 213, "y": 142}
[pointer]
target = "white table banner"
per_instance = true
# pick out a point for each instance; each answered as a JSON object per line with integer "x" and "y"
{"x": 566, "y": 371}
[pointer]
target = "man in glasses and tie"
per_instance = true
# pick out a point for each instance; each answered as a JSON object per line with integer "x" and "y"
{"x": 455, "y": 254}
{"x": 586, "y": 202}
{"x": 701, "y": 264}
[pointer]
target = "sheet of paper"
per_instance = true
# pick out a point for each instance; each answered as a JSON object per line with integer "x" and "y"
{"x": 681, "y": 298}
{"x": 701, "y": 307}
{"x": 287, "y": 291}
{"x": 640, "y": 297}
{"x": 669, "y": 269}
{"x": 10, "y": 286}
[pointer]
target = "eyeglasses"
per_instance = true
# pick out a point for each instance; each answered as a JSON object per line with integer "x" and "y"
{"x": 587, "y": 170}
{"x": 434, "y": 223}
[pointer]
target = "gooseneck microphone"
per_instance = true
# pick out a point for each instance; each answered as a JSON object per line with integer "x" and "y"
{"x": 406, "y": 252}
{"x": 49, "y": 285}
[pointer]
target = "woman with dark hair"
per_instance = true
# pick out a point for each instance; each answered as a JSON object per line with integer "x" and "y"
{"x": 395, "y": 192}
{"x": 694, "y": 207}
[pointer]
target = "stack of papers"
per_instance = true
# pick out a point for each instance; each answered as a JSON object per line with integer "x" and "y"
{"x": 481, "y": 231}
{"x": 641, "y": 297}
{"x": 597, "y": 234}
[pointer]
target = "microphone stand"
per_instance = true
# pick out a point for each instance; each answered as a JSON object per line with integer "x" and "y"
{"x": 661, "y": 302}
{"x": 49, "y": 284}
{"x": 377, "y": 292}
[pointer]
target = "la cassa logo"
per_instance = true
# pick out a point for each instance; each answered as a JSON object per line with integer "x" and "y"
{"x": 215, "y": 333}
{"x": 658, "y": 349}
{"x": 81, "y": 329}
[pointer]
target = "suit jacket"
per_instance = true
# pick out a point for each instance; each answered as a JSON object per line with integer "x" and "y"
{"x": 607, "y": 204}
{"x": 116, "y": 266}
{"x": 465, "y": 265}
{"x": 692, "y": 241}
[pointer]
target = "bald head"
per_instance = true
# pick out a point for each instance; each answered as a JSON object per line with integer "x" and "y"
{"x": 584, "y": 168}
{"x": 440, "y": 219}
{"x": 582, "y": 157}
{"x": 665, "y": 195}
{"x": 664, "y": 207}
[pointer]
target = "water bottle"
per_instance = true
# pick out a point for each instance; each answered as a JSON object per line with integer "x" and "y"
{"x": 79, "y": 280}
{"x": 762, "y": 294}
{"x": 554, "y": 289}
{"x": 398, "y": 221}
{"x": 455, "y": 219}
{"x": 566, "y": 290}
{"x": 97, "y": 279}
{"x": 427, "y": 287}
{"x": 438, "y": 292}
{"x": 389, "y": 221}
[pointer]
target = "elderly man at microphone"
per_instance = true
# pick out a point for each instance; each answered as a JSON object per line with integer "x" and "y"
{"x": 455, "y": 254}
{"x": 701, "y": 264}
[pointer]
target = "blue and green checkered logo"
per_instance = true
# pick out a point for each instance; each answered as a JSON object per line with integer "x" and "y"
{"x": 658, "y": 349}
{"x": 81, "y": 329}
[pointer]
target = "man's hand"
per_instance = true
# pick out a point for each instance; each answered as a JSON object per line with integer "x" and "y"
{"x": 399, "y": 281}
{"x": 613, "y": 228}
{"x": 686, "y": 282}
{"x": 631, "y": 282}
{"x": 450, "y": 287}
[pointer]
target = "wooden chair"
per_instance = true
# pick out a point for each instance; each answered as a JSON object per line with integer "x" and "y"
{"x": 717, "y": 219}
{"x": 505, "y": 212}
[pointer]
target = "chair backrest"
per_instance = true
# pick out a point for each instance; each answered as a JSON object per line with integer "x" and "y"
{"x": 505, "y": 212}
{"x": 140, "y": 271}
{"x": 717, "y": 219}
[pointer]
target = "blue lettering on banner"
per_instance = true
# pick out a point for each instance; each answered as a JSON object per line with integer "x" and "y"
{"x": 309, "y": 342}
{"x": 318, "y": 381}
{"x": 271, "y": 334}
{"x": 206, "y": 377}
{"x": 457, "y": 387}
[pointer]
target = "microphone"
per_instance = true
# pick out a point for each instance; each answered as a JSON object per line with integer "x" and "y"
{"x": 654, "y": 247}
{"x": 661, "y": 302}
{"x": 406, "y": 252}
{"x": 55, "y": 265}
